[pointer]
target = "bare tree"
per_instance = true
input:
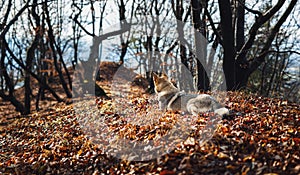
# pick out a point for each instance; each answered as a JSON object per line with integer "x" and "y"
{"x": 237, "y": 67}
{"x": 56, "y": 52}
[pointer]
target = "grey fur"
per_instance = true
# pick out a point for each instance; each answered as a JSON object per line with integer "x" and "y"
{"x": 170, "y": 98}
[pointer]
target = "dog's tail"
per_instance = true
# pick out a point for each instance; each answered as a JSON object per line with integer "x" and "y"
{"x": 222, "y": 111}
{"x": 218, "y": 108}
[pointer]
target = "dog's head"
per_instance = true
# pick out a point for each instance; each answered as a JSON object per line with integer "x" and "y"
{"x": 162, "y": 83}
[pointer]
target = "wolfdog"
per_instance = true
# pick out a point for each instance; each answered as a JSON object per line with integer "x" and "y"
{"x": 170, "y": 98}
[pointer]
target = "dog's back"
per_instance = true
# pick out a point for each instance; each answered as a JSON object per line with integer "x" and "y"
{"x": 204, "y": 103}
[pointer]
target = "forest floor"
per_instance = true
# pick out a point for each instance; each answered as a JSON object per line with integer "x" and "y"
{"x": 260, "y": 136}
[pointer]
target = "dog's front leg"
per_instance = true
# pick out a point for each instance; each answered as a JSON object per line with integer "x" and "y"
{"x": 162, "y": 106}
{"x": 192, "y": 109}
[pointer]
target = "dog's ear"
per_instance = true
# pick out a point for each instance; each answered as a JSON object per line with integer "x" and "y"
{"x": 164, "y": 74}
{"x": 155, "y": 76}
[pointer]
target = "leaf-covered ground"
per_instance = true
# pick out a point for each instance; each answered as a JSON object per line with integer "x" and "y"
{"x": 261, "y": 136}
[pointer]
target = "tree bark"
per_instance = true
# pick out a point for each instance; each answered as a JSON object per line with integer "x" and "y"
{"x": 30, "y": 56}
{"x": 229, "y": 63}
{"x": 21, "y": 64}
{"x": 237, "y": 68}
{"x": 52, "y": 46}
{"x": 240, "y": 25}
{"x": 274, "y": 31}
{"x": 3, "y": 71}
{"x": 124, "y": 44}
{"x": 201, "y": 47}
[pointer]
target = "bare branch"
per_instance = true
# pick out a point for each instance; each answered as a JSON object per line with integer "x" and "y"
{"x": 253, "y": 31}
{"x": 31, "y": 73}
{"x": 213, "y": 26}
{"x": 83, "y": 28}
{"x": 14, "y": 19}
{"x": 250, "y": 10}
{"x": 270, "y": 39}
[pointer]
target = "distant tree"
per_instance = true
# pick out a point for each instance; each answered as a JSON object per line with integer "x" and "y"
{"x": 87, "y": 69}
{"x": 6, "y": 24}
{"x": 236, "y": 64}
{"x": 57, "y": 53}
{"x": 199, "y": 23}
{"x": 42, "y": 40}
{"x": 13, "y": 48}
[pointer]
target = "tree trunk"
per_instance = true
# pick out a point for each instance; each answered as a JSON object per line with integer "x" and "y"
{"x": 3, "y": 71}
{"x": 124, "y": 44}
{"x": 200, "y": 44}
{"x": 203, "y": 80}
{"x": 240, "y": 26}
{"x": 229, "y": 65}
{"x": 21, "y": 64}
{"x": 30, "y": 56}
{"x": 52, "y": 46}
{"x": 16, "y": 103}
